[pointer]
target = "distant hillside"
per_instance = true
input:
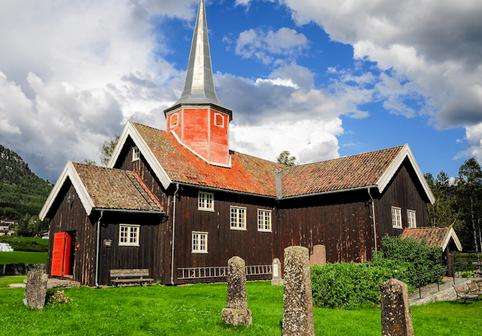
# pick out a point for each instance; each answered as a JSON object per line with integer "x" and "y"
{"x": 21, "y": 191}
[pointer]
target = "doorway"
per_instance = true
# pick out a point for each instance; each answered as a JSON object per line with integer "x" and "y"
{"x": 62, "y": 254}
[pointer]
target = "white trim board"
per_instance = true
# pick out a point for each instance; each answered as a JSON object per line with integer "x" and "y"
{"x": 392, "y": 169}
{"x": 452, "y": 234}
{"x": 68, "y": 172}
{"x": 131, "y": 131}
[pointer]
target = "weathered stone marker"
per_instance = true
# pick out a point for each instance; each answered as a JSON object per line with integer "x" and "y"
{"x": 298, "y": 301}
{"x": 396, "y": 320}
{"x": 237, "y": 313}
{"x": 36, "y": 288}
{"x": 318, "y": 257}
{"x": 276, "y": 280}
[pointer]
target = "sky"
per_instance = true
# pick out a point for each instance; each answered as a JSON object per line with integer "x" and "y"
{"x": 321, "y": 79}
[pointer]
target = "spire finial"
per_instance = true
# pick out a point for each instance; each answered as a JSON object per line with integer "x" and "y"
{"x": 199, "y": 86}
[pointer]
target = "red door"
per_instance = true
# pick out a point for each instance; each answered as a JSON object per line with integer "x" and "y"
{"x": 61, "y": 254}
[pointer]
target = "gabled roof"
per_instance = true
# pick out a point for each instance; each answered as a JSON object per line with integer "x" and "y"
{"x": 105, "y": 189}
{"x": 174, "y": 163}
{"x": 433, "y": 236}
{"x": 346, "y": 173}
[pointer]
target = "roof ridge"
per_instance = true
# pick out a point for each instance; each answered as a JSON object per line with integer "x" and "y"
{"x": 99, "y": 167}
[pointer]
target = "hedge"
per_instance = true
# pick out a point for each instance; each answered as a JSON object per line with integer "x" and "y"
{"x": 27, "y": 244}
{"x": 349, "y": 285}
{"x": 464, "y": 261}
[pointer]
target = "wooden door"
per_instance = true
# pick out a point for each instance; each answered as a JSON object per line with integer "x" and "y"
{"x": 61, "y": 255}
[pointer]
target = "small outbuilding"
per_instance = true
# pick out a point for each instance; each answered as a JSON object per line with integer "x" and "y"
{"x": 443, "y": 237}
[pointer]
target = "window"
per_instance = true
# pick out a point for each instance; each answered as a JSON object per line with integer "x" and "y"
{"x": 205, "y": 201}
{"x": 412, "y": 218}
{"x": 173, "y": 121}
{"x": 264, "y": 220}
{"x": 218, "y": 120}
{"x": 238, "y": 218}
{"x": 396, "y": 217}
{"x": 199, "y": 242}
{"x": 129, "y": 235}
{"x": 135, "y": 154}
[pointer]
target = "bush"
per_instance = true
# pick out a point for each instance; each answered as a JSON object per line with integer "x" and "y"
{"x": 349, "y": 285}
{"x": 464, "y": 261}
{"x": 426, "y": 265}
{"x": 27, "y": 244}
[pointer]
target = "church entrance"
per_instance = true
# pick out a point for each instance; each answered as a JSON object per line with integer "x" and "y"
{"x": 62, "y": 254}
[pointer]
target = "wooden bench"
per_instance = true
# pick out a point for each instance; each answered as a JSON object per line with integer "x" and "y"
{"x": 130, "y": 277}
{"x": 469, "y": 291}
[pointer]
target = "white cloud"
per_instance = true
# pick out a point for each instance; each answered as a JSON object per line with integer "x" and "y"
{"x": 474, "y": 138}
{"x": 286, "y": 114}
{"x": 267, "y": 45}
{"x": 72, "y": 71}
{"x": 435, "y": 45}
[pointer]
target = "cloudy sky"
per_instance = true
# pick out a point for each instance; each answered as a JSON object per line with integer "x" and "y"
{"x": 319, "y": 78}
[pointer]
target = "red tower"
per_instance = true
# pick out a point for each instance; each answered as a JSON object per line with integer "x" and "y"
{"x": 197, "y": 119}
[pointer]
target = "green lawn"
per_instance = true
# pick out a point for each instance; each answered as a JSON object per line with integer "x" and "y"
{"x": 23, "y": 258}
{"x": 195, "y": 310}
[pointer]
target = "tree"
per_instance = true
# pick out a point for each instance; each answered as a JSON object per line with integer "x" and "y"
{"x": 107, "y": 150}
{"x": 443, "y": 211}
{"x": 286, "y": 159}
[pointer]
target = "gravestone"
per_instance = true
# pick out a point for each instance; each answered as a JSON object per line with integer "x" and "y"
{"x": 298, "y": 301}
{"x": 276, "y": 280}
{"x": 318, "y": 257}
{"x": 237, "y": 313}
{"x": 396, "y": 320}
{"x": 36, "y": 288}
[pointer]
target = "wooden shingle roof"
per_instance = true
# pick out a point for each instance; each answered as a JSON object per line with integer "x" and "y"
{"x": 433, "y": 236}
{"x": 346, "y": 173}
{"x": 247, "y": 174}
{"x": 116, "y": 189}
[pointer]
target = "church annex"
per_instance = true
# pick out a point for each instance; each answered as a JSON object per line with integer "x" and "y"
{"x": 179, "y": 203}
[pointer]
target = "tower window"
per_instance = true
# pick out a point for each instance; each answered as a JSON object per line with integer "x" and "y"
{"x": 173, "y": 120}
{"x": 218, "y": 120}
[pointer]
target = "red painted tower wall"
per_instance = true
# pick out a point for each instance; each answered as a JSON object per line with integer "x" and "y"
{"x": 205, "y": 130}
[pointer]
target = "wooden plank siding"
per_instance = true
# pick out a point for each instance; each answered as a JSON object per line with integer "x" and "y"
{"x": 404, "y": 193}
{"x": 69, "y": 215}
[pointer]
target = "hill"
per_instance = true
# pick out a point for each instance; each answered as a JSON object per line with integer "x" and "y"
{"x": 21, "y": 191}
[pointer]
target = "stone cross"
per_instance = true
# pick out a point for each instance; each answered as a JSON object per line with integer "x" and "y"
{"x": 298, "y": 301}
{"x": 396, "y": 320}
{"x": 276, "y": 280}
{"x": 319, "y": 255}
{"x": 237, "y": 313}
{"x": 36, "y": 288}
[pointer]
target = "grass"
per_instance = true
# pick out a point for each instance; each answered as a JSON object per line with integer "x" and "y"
{"x": 23, "y": 258}
{"x": 195, "y": 310}
{"x": 27, "y": 244}
{"x": 7, "y": 280}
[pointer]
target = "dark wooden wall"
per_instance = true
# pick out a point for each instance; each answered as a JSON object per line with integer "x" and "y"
{"x": 68, "y": 214}
{"x": 142, "y": 168}
{"x": 405, "y": 192}
{"x": 255, "y": 247}
{"x": 339, "y": 221}
{"x": 148, "y": 255}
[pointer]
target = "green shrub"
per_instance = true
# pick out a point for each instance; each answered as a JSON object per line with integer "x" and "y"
{"x": 464, "y": 261}
{"x": 27, "y": 244}
{"x": 349, "y": 285}
{"x": 426, "y": 265}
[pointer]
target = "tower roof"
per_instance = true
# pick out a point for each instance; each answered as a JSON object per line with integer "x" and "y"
{"x": 199, "y": 86}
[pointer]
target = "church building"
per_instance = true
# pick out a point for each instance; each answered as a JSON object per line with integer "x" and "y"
{"x": 177, "y": 203}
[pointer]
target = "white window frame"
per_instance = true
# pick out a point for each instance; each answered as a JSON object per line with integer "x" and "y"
{"x": 175, "y": 117}
{"x": 129, "y": 229}
{"x": 196, "y": 237}
{"x": 236, "y": 220}
{"x": 397, "y": 222}
{"x": 215, "y": 120}
{"x": 205, "y": 201}
{"x": 265, "y": 223}
{"x": 411, "y": 218}
{"x": 136, "y": 154}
